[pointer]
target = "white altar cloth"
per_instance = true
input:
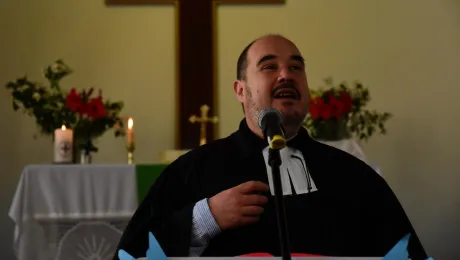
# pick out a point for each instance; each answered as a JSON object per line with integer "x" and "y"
{"x": 65, "y": 212}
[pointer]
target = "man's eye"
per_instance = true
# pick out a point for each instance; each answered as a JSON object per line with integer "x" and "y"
{"x": 296, "y": 67}
{"x": 269, "y": 67}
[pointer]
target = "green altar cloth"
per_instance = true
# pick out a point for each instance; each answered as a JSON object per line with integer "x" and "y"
{"x": 146, "y": 175}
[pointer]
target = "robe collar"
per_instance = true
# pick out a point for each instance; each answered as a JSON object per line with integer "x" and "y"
{"x": 252, "y": 143}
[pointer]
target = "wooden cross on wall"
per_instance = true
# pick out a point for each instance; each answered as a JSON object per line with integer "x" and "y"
{"x": 196, "y": 60}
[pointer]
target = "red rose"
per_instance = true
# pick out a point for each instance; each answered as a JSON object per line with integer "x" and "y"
{"x": 326, "y": 111}
{"x": 315, "y": 108}
{"x": 319, "y": 109}
{"x": 96, "y": 108}
{"x": 336, "y": 106}
{"x": 346, "y": 101}
{"x": 74, "y": 102}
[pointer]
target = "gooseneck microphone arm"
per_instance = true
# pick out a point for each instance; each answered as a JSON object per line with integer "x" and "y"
{"x": 270, "y": 123}
{"x": 274, "y": 160}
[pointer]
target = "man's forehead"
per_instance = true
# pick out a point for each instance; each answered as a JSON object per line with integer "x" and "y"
{"x": 274, "y": 46}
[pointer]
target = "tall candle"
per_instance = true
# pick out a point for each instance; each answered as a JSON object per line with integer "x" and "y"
{"x": 63, "y": 145}
{"x": 130, "y": 132}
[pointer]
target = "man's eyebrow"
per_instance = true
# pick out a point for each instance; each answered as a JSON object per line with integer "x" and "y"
{"x": 298, "y": 58}
{"x": 265, "y": 58}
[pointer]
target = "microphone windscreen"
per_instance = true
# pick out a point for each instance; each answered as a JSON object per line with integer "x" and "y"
{"x": 272, "y": 113}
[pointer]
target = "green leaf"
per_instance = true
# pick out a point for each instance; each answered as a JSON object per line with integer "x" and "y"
{"x": 15, "y": 106}
{"x": 10, "y": 85}
{"x": 370, "y": 130}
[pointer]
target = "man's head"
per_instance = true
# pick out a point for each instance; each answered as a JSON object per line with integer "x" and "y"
{"x": 271, "y": 74}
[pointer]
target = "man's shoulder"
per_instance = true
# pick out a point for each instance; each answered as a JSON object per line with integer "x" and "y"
{"x": 211, "y": 152}
{"x": 347, "y": 175}
{"x": 342, "y": 162}
{"x": 333, "y": 153}
{"x": 190, "y": 167}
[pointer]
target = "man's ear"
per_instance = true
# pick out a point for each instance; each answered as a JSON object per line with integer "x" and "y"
{"x": 238, "y": 87}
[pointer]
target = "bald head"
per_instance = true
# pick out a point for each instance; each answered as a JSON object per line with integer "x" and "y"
{"x": 242, "y": 63}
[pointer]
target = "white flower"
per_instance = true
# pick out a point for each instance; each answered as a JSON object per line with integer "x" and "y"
{"x": 56, "y": 68}
{"x": 36, "y": 96}
{"x": 22, "y": 88}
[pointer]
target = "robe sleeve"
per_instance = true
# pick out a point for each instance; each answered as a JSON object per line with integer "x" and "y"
{"x": 391, "y": 222}
{"x": 166, "y": 211}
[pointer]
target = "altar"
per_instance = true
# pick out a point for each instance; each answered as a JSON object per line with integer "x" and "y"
{"x": 64, "y": 212}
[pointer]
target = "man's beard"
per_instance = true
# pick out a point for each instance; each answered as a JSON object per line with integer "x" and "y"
{"x": 253, "y": 109}
{"x": 291, "y": 122}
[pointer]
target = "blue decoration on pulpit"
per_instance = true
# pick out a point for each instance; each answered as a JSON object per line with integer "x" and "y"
{"x": 399, "y": 251}
{"x": 124, "y": 256}
{"x": 154, "y": 252}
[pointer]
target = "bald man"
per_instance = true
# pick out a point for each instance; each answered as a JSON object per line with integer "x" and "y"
{"x": 218, "y": 199}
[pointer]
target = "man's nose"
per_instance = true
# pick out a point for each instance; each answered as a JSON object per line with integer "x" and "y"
{"x": 285, "y": 74}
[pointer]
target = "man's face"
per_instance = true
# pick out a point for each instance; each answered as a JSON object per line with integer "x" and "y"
{"x": 275, "y": 78}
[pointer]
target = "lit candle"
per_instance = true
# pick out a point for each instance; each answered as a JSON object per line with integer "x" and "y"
{"x": 130, "y": 133}
{"x": 63, "y": 145}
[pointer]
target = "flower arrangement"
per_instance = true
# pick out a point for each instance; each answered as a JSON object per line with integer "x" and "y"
{"x": 338, "y": 112}
{"x": 87, "y": 115}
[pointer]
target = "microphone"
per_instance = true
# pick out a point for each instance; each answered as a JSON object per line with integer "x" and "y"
{"x": 270, "y": 122}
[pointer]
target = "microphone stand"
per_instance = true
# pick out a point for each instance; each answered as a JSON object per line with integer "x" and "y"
{"x": 274, "y": 160}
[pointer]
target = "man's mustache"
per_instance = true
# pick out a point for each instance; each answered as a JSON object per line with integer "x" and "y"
{"x": 286, "y": 85}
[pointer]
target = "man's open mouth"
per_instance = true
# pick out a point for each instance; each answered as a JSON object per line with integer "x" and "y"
{"x": 286, "y": 93}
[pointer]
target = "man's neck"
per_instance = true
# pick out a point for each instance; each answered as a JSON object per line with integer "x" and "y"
{"x": 291, "y": 132}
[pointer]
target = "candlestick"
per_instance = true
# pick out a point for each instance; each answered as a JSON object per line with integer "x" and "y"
{"x": 130, "y": 148}
{"x": 63, "y": 145}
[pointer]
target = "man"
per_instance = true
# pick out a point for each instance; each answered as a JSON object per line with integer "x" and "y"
{"x": 217, "y": 200}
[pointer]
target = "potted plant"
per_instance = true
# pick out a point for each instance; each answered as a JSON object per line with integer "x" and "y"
{"x": 338, "y": 113}
{"x": 88, "y": 115}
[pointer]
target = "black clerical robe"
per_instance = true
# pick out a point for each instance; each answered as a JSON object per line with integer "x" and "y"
{"x": 352, "y": 213}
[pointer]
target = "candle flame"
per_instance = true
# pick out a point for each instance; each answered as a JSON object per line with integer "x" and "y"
{"x": 130, "y": 123}
{"x": 63, "y": 127}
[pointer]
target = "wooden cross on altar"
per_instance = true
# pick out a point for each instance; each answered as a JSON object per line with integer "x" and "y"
{"x": 203, "y": 120}
{"x": 196, "y": 63}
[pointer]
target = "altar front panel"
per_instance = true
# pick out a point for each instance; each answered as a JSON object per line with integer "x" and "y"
{"x": 74, "y": 211}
